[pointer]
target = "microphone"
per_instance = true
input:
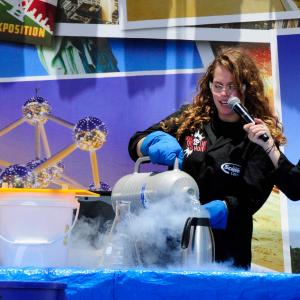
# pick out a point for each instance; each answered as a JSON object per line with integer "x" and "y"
{"x": 241, "y": 110}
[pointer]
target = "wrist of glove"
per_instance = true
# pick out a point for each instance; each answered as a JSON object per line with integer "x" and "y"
{"x": 218, "y": 212}
{"x": 162, "y": 148}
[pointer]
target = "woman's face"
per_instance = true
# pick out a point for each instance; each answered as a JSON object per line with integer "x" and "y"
{"x": 222, "y": 87}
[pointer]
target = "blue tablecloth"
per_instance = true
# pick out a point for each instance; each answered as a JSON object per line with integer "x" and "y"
{"x": 95, "y": 284}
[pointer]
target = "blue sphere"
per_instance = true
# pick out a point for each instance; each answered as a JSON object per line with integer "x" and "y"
{"x": 103, "y": 187}
{"x": 36, "y": 110}
{"x": 89, "y": 133}
{"x": 48, "y": 175}
{"x": 17, "y": 176}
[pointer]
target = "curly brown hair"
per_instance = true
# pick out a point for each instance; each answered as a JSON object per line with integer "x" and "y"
{"x": 250, "y": 90}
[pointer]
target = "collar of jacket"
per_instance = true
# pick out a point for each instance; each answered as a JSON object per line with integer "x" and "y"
{"x": 218, "y": 141}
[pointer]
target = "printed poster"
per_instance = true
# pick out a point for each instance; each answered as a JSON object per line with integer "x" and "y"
{"x": 28, "y": 21}
{"x": 114, "y": 80}
{"x": 167, "y": 13}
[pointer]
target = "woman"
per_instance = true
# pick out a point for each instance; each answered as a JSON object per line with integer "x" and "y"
{"x": 287, "y": 175}
{"x": 208, "y": 138}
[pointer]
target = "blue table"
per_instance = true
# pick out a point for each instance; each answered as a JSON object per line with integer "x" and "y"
{"x": 92, "y": 284}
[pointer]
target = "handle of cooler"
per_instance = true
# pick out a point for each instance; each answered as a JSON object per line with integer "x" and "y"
{"x": 146, "y": 159}
{"x": 59, "y": 237}
{"x": 139, "y": 162}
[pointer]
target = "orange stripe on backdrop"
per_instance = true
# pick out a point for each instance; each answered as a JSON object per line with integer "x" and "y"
{"x": 139, "y": 10}
{"x": 297, "y": 2}
{"x": 262, "y": 58}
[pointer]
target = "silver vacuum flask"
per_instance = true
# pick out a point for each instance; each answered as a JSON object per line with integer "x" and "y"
{"x": 197, "y": 243}
{"x": 144, "y": 189}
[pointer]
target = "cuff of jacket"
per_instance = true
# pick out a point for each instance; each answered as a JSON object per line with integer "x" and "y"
{"x": 284, "y": 178}
{"x": 235, "y": 209}
{"x": 284, "y": 167}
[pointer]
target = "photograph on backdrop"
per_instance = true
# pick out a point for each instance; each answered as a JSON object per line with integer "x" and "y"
{"x": 88, "y": 12}
{"x": 146, "y": 13}
{"x": 258, "y": 25}
{"x": 110, "y": 99}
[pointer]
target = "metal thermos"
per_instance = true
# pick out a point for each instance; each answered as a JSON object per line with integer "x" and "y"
{"x": 197, "y": 242}
{"x": 144, "y": 189}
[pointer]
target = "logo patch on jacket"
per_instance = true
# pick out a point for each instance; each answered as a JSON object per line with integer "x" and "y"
{"x": 195, "y": 142}
{"x": 231, "y": 169}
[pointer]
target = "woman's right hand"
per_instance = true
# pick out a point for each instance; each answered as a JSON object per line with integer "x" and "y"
{"x": 162, "y": 148}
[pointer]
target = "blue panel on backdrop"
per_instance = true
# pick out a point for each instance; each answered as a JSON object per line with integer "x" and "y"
{"x": 13, "y": 64}
{"x": 288, "y": 55}
{"x": 289, "y": 70}
{"x": 18, "y": 60}
{"x": 144, "y": 54}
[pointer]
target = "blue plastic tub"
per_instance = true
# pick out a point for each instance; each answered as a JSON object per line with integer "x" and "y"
{"x": 27, "y": 290}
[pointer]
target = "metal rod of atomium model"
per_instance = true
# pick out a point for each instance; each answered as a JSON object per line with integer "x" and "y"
{"x": 95, "y": 171}
{"x": 61, "y": 122}
{"x": 56, "y": 157}
{"x": 41, "y": 140}
{"x": 45, "y": 141}
{"x": 37, "y": 144}
{"x": 66, "y": 180}
{"x": 12, "y": 126}
{"x": 72, "y": 181}
{"x": 4, "y": 163}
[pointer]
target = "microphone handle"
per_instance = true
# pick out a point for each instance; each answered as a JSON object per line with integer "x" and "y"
{"x": 248, "y": 119}
{"x": 264, "y": 137}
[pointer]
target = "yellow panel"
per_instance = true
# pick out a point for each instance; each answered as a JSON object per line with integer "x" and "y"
{"x": 164, "y": 9}
{"x": 267, "y": 247}
{"x": 297, "y": 2}
{"x": 76, "y": 192}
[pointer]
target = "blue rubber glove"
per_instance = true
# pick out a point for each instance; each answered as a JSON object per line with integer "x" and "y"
{"x": 162, "y": 148}
{"x": 218, "y": 214}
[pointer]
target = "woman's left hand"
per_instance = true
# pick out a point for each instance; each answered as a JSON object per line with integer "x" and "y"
{"x": 256, "y": 130}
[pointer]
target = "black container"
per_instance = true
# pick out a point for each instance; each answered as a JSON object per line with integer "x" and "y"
{"x": 29, "y": 290}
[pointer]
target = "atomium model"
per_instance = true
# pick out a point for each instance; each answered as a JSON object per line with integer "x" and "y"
{"x": 89, "y": 134}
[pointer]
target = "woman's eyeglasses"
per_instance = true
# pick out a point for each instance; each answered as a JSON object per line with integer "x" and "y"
{"x": 219, "y": 88}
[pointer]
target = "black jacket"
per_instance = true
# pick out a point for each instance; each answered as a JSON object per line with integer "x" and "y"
{"x": 287, "y": 178}
{"x": 226, "y": 165}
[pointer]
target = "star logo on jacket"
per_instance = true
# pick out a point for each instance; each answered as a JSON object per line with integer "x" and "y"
{"x": 195, "y": 142}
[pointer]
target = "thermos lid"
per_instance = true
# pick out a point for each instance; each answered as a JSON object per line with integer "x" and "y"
{"x": 185, "y": 239}
{"x": 200, "y": 222}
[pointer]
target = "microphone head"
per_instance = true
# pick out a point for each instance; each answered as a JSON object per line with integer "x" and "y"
{"x": 233, "y": 101}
